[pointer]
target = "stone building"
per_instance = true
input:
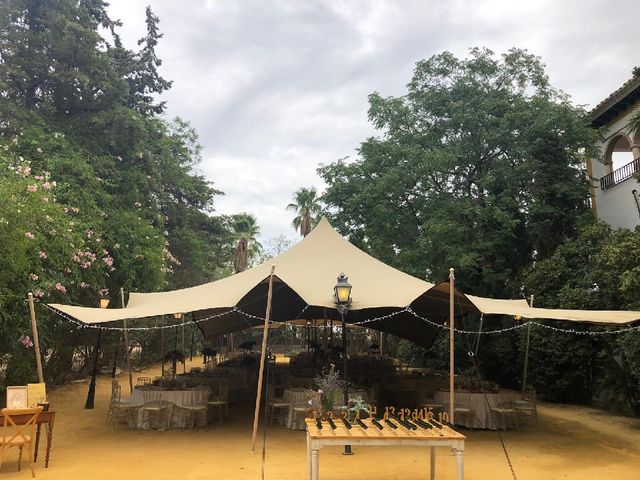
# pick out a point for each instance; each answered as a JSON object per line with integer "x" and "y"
{"x": 615, "y": 189}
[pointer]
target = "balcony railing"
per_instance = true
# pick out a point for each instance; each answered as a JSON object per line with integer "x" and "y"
{"x": 620, "y": 174}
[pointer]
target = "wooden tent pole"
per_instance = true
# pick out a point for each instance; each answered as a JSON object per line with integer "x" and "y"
{"x": 36, "y": 338}
{"x": 126, "y": 343}
{"x": 526, "y": 352}
{"x": 451, "y": 346}
{"x": 263, "y": 354}
{"x": 184, "y": 352}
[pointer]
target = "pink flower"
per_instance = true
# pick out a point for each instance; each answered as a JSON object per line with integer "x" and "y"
{"x": 33, "y": 276}
{"x": 38, "y": 293}
{"x": 42, "y": 254}
{"x": 32, "y": 188}
{"x": 46, "y": 185}
{"x": 104, "y": 292}
{"x": 30, "y": 235}
{"x": 26, "y": 341}
{"x": 38, "y": 177}
{"x": 108, "y": 261}
{"x": 61, "y": 288}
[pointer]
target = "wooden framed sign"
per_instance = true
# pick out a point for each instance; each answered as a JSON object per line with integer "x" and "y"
{"x": 17, "y": 397}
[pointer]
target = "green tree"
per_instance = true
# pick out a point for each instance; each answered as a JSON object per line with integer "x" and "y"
{"x": 245, "y": 231}
{"x": 308, "y": 209}
{"x": 479, "y": 166}
{"x": 599, "y": 269}
{"x": 127, "y": 210}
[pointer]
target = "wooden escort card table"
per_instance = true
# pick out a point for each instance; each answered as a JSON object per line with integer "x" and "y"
{"x": 431, "y": 437}
{"x": 47, "y": 418}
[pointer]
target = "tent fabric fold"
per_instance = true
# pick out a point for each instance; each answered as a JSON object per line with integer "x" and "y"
{"x": 303, "y": 289}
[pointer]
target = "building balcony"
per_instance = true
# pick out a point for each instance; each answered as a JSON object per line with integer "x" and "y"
{"x": 619, "y": 175}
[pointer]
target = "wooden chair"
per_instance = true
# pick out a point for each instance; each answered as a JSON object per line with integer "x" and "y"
{"x": 426, "y": 400}
{"x": 156, "y": 414}
{"x": 463, "y": 416}
{"x": 275, "y": 403}
{"x": 302, "y": 405}
{"x": 505, "y": 412}
{"x": 19, "y": 435}
{"x": 197, "y": 407}
{"x": 220, "y": 400}
{"x": 119, "y": 409}
{"x": 527, "y": 405}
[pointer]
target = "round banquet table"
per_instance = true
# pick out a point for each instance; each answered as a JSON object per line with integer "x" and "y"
{"x": 179, "y": 398}
{"x": 481, "y": 417}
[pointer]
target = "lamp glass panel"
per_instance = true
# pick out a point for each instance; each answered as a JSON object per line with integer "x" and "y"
{"x": 104, "y": 302}
{"x": 343, "y": 292}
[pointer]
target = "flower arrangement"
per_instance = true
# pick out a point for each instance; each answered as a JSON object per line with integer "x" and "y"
{"x": 330, "y": 385}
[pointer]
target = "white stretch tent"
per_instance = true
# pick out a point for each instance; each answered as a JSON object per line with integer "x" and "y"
{"x": 303, "y": 288}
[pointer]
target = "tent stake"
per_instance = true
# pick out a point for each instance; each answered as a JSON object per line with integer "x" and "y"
{"x": 451, "y": 344}
{"x": 526, "y": 353}
{"x": 265, "y": 336}
{"x": 126, "y": 343}
{"x": 36, "y": 338}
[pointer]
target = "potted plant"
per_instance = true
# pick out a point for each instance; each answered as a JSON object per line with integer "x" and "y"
{"x": 355, "y": 406}
{"x": 174, "y": 356}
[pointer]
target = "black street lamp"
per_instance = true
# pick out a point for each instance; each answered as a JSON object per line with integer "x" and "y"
{"x": 342, "y": 299}
{"x": 91, "y": 394}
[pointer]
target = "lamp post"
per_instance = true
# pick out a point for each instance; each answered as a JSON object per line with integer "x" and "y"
{"x": 91, "y": 394}
{"x": 342, "y": 299}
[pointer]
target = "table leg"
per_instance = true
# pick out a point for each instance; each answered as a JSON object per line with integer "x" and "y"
{"x": 35, "y": 448}
{"x": 315, "y": 464}
{"x": 49, "y": 440}
{"x": 459, "y": 463}
{"x": 309, "y": 456}
{"x": 433, "y": 463}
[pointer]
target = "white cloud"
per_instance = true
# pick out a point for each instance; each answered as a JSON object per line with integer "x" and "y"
{"x": 276, "y": 87}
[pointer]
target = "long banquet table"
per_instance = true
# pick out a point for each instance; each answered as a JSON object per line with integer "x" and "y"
{"x": 479, "y": 403}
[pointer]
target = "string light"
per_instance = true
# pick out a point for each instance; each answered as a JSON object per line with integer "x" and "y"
{"x": 81, "y": 325}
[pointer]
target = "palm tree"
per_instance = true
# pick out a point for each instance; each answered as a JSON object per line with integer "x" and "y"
{"x": 245, "y": 230}
{"x": 308, "y": 208}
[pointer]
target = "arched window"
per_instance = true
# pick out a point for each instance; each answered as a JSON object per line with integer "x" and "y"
{"x": 618, "y": 153}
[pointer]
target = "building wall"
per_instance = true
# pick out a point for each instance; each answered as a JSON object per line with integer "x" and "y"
{"x": 616, "y": 205}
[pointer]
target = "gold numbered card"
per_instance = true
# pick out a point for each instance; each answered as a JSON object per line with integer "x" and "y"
{"x": 36, "y": 393}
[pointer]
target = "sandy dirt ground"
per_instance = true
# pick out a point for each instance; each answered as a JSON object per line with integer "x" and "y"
{"x": 567, "y": 442}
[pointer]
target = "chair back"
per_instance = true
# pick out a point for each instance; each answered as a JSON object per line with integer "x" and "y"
{"x": 200, "y": 396}
{"x": 22, "y": 432}
{"x": 116, "y": 392}
{"x": 222, "y": 392}
{"x": 529, "y": 395}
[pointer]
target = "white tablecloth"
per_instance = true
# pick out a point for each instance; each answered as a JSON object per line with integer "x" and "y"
{"x": 178, "y": 397}
{"x": 480, "y": 405}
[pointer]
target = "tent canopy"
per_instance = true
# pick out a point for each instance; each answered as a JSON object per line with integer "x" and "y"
{"x": 303, "y": 289}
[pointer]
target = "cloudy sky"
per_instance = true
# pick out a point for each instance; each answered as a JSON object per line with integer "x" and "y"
{"x": 275, "y": 88}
